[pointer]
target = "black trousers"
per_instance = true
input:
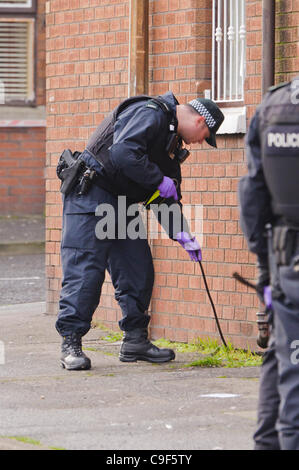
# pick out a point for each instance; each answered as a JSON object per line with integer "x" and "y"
{"x": 85, "y": 259}
{"x": 278, "y": 410}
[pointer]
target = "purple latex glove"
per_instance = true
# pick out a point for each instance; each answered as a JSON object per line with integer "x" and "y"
{"x": 167, "y": 188}
{"x": 189, "y": 244}
{"x": 268, "y": 297}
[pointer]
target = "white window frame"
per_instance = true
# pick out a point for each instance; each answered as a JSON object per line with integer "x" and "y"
{"x": 28, "y": 74}
{"x": 228, "y": 63}
{"x": 17, "y": 6}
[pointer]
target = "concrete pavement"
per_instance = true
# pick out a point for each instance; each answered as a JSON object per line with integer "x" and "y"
{"x": 114, "y": 405}
{"x": 138, "y": 406}
{"x": 22, "y": 259}
{"x": 22, "y": 235}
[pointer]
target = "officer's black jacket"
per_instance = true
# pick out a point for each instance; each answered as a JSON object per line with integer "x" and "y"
{"x": 269, "y": 191}
{"x": 254, "y": 197}
{"x": 138, "y": 154}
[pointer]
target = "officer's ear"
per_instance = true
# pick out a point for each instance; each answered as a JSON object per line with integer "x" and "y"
{"x": 200, "y": 120}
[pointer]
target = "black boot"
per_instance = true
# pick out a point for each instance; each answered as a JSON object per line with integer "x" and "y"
{"x": 72, "y": 356}
{"x": 137, "y": 347}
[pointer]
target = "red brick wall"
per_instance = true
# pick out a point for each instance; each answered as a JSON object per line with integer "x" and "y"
{"x": 287, "y": 37}
{"x": 181, "y": 61}
{"x": 87, "y": 75}
{"x": 22, "y": 158}
{"x": 253, "y": 80}
{"x": 22, "y": 149}
{"x": 87, "y": 48}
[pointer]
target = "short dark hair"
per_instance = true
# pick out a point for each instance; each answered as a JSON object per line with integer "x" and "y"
{"x": 191, "y": 109}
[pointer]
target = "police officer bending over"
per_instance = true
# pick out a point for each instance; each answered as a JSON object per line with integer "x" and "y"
{"x": 135, "y": 151}
{"x": 269, "y": 196}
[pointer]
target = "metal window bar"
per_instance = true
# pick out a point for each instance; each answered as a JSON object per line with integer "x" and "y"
{"x": 16, "y": 60}
{"x": 228, "y": 50}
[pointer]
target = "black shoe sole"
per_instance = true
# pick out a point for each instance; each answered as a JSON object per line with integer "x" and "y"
{"x": 68, "y": 367}
{"x": 135, "y": 358}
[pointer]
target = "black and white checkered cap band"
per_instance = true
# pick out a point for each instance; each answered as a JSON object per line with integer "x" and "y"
{"x": 201, "y": 109}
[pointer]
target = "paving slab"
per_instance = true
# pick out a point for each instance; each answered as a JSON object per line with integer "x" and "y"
{"x": 22, "y": 235}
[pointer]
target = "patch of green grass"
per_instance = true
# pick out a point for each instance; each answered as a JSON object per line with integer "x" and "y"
{"x": 111, "y": 336}
{"x": 208, "y": 361}
{"x": 211, "y": 354}
{"x": 240, "y": 358}
{"x": 29, "y": 440}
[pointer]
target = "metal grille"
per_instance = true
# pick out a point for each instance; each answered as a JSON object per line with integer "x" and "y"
{"x": 228, "y": 50}
{"x": 16, "y": 60}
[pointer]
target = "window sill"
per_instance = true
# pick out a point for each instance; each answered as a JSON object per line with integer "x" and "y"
{"x": 234, "y": 121}
{"x": 23, "y": 116}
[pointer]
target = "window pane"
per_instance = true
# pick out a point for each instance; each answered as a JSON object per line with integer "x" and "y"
{"x": 228, "y": 50}
{"x": 16, "y": 60}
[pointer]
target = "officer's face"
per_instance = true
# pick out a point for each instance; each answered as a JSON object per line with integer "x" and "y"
{"x": 194, "y": 130}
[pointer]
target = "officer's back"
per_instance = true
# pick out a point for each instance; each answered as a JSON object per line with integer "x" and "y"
{"x": 279, "y": 132}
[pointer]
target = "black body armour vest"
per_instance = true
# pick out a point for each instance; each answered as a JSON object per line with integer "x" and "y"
{"x": 279, "y": 131}
{"x": 101, "y": 140}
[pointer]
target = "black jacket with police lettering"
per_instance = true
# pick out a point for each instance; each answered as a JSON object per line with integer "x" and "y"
{"x": 270, "y": 190}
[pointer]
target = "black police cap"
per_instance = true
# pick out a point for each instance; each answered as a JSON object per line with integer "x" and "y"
{"x": 213, "y": 116}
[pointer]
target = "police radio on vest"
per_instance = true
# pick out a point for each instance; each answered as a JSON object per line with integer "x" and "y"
{"x": 282, "y": 139}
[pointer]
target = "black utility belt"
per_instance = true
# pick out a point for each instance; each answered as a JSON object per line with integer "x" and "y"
{"x": 72, "y": 171}
{"x": 285, "y": 242}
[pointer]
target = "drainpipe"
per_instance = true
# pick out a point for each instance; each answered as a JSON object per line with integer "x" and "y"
{"x": 268, "y": 44}
{"x": 139, "y": 48}
{"x": 138, "y": 61}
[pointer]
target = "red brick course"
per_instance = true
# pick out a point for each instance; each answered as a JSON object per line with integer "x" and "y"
{"x": 22, "y": 160}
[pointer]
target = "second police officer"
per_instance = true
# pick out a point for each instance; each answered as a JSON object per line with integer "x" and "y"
{"x": 269, "y": 200}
